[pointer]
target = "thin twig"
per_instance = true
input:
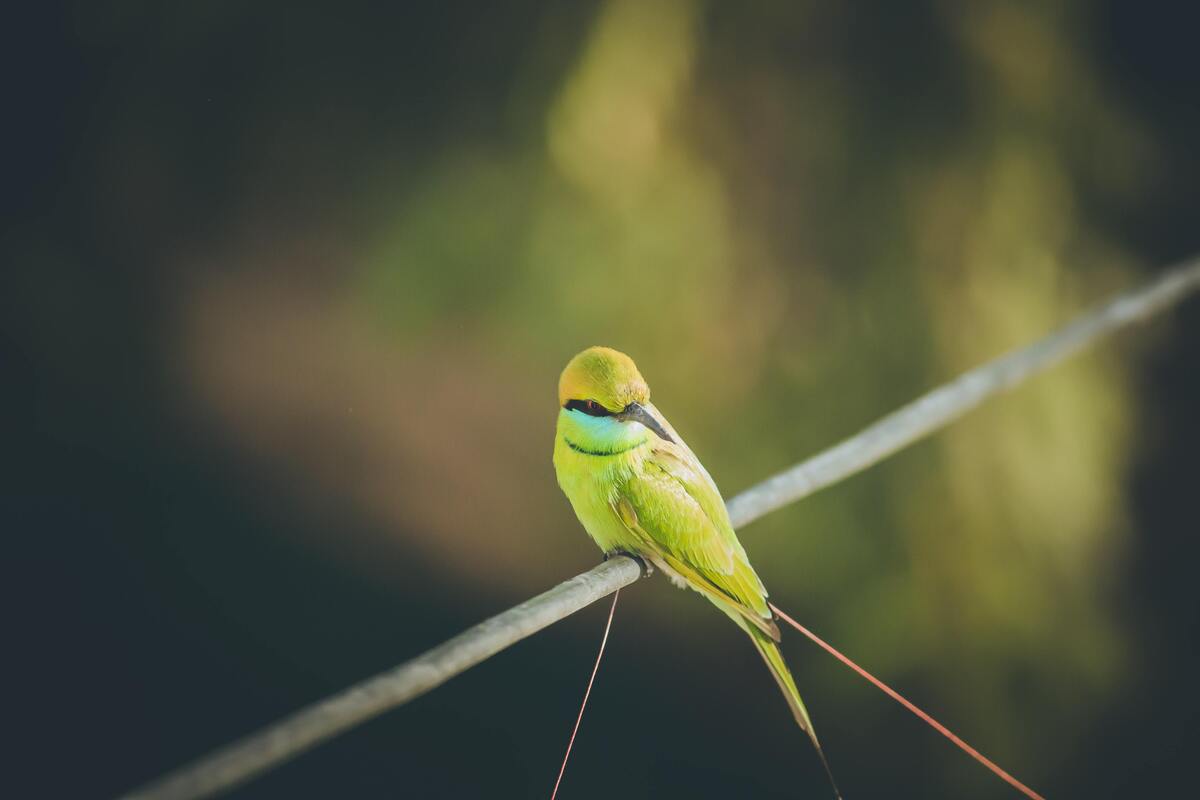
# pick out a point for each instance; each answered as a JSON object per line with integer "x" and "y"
{"x": 892, "y": 693}
{"x": 943, "y": 405}
{"x": 294, "y": 734}
{"x": 587, "y": 693}
{"x": 326, "y": 718}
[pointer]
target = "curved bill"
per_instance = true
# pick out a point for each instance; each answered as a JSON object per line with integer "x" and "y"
{"x": 635, "y": 412}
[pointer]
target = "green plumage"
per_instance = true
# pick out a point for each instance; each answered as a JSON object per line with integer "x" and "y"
{"x": 638, "y": 488}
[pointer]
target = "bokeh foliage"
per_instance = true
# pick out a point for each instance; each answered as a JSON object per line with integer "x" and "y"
{"x": 373, "y": 244}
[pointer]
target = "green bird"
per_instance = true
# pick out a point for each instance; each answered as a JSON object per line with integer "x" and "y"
{"x": 638, "y": 489}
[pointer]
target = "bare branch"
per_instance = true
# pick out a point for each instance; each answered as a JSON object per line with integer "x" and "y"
{"x": 327, "y": 718}
{"x": 943, "y": 405}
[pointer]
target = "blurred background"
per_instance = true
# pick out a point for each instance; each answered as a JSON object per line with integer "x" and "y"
{"x": 286, "y": 295}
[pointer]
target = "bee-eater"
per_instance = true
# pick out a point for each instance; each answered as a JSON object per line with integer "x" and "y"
{"x": 638, "y": 489}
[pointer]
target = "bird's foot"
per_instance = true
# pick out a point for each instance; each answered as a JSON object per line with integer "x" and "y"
{"x": 647, "y": 569}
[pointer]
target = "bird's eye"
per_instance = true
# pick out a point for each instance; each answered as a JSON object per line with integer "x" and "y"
{"x": 589, "y": 407}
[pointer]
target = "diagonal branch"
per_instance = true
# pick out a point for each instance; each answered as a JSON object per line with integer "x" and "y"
{"x": 327, "y": 718}
{"x": 943, "y": 405}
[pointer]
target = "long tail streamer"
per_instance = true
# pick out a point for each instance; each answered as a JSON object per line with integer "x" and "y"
{"x": 937, "y": 726}
{"x": 603, "y": 641}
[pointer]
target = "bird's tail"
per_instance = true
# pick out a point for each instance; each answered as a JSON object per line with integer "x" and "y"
{"x": 769, "y": 650}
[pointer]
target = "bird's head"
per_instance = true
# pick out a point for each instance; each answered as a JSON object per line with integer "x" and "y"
{"x": 602, "y": 382}
{"x": 602, "y": 377}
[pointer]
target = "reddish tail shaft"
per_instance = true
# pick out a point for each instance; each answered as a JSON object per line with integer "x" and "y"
{"x": 937, "y": 726}
{"x": 603, "y": 641}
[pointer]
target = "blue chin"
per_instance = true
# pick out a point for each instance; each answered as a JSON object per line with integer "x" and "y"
{"x": 603, "y": 433}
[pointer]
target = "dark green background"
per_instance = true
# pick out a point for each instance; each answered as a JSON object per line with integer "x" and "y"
{"x": 176, "y": 581}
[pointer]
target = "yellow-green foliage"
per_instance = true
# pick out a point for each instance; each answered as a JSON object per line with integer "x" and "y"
{"x": 784, "y": 268}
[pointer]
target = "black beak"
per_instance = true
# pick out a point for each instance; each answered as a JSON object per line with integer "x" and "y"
{"x": 635, "y": 412}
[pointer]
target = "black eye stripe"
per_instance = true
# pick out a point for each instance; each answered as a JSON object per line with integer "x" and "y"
{"x": 589, "y": 407}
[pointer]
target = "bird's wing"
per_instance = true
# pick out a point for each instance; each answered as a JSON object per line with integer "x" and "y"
{"x": 672, "y": 505}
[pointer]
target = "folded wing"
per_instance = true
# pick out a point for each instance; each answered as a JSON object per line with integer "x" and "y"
{"x": 672, "y": 506}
